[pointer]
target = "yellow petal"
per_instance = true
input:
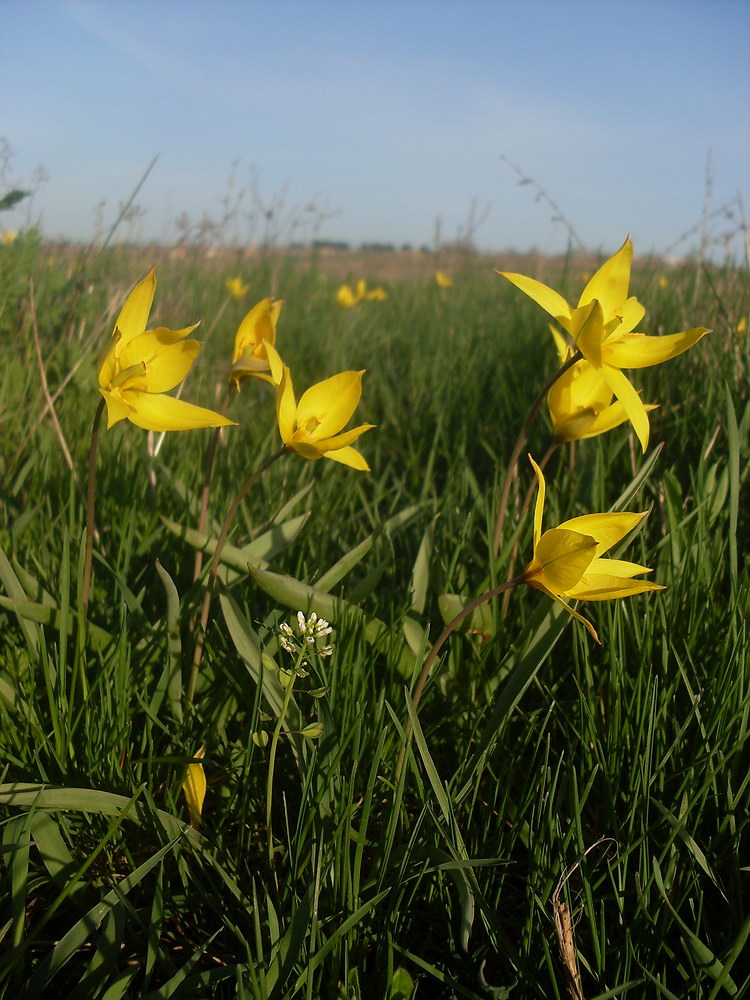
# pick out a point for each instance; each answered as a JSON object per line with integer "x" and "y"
{"x": 610, "y": 283}
{"x": 345, "y": 297}
{"x": 560, "y": 559}
{"x": 341, "y": 440}
{"x": 247, "y": 367}
{"x": 258, "y": 325}
{"x": 328, "y": 406}
{"x": 630, "y": 399}
{"x": 539, "y": 504}
{"x": 133, "y": 316}
{"x": 580, "y": 387}
{"x": 286, "y": 407}
{"x": 166, "y": 336}
{"x": 108, "y": 364}
{"x": 630, "y": 314}
{"x": 350, "y": 457}
{"x": 154, "y": 412}
{"x": 277, "y": 365}
{"x": 194, "y": 788}
{"x": 607, "y": 529}
{"x": 638, "y": 351}
{"x": 562, "y": 345}
{"x": 605, "y": 587}
{"x": 547, "y": 298}
{"x": 586, "y": 424}
{"x": 162, "y": 365}
{"x": 587, "y": 330}
{"x": 117, "y": 408}
{"x": 616, "y": 567}
{"x": 307, "y": 449}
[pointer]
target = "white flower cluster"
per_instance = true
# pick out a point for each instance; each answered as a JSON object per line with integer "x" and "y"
{"x": 312, "y": 632}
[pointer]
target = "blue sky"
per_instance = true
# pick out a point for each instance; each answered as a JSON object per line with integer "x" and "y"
{"x": 392, "y": 113}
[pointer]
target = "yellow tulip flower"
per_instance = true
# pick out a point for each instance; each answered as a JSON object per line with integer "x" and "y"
{"x": 601, "y": 327}
{"x": 442, "y": 279}
{"x": 567, "y": 560}
{"x": 237, "y": 288}
{"x": 347, "y": 297}
{"x": 142, "y": 364}
{"x": 580, "y": 401}
{"x": 311, "y": 427}
{"x": 194, "y": 788}
{"x": 255, "y": 331}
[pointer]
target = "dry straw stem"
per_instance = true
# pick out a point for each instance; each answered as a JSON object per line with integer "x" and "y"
{"x": 566, "y": 941}
{"x": 564, "y": 924}
{"x": 45, "y": 388}
{"x": 543, "y": 195}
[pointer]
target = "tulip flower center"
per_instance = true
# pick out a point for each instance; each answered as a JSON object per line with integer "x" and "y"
{"x": 127, "y": 373}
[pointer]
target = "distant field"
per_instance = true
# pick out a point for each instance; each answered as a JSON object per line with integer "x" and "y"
{"x": 554, "y": 808}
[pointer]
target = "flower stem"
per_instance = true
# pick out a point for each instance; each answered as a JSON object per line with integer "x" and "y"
{"x": 90, "y": 503}
{"x": 272, "y": 763}
{"x": 416, "y": 694}
{"x": 214, "y": 568}
{"x": 517, "y": 447}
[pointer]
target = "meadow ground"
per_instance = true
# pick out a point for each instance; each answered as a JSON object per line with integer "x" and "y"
{"x": 555, "y": 808}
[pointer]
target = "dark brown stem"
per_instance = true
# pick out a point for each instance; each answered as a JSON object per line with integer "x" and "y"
{"x": 518, "y": 446}
{"x": 214, "y": 568}
{"x": 90, "y": 503}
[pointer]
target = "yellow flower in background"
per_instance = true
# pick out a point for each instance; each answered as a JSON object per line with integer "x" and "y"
{"x": 8, "y": 236}
{"x": 348, "y": 296}
{"x": 237, "y": 288}
{"x": 580, "y": 401}
{"x": 442, "y": 279}
{"x": 312, "y": 427}
{"x": 741, "y": 327}
{"x": 601, "y": 328}
{"x": 663, "y": 281}
{"x": 567, "y": 560}
{"x": 256, "y": 330}
{"x": 143, "y": 364}
{"x": 194, "y": 788}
